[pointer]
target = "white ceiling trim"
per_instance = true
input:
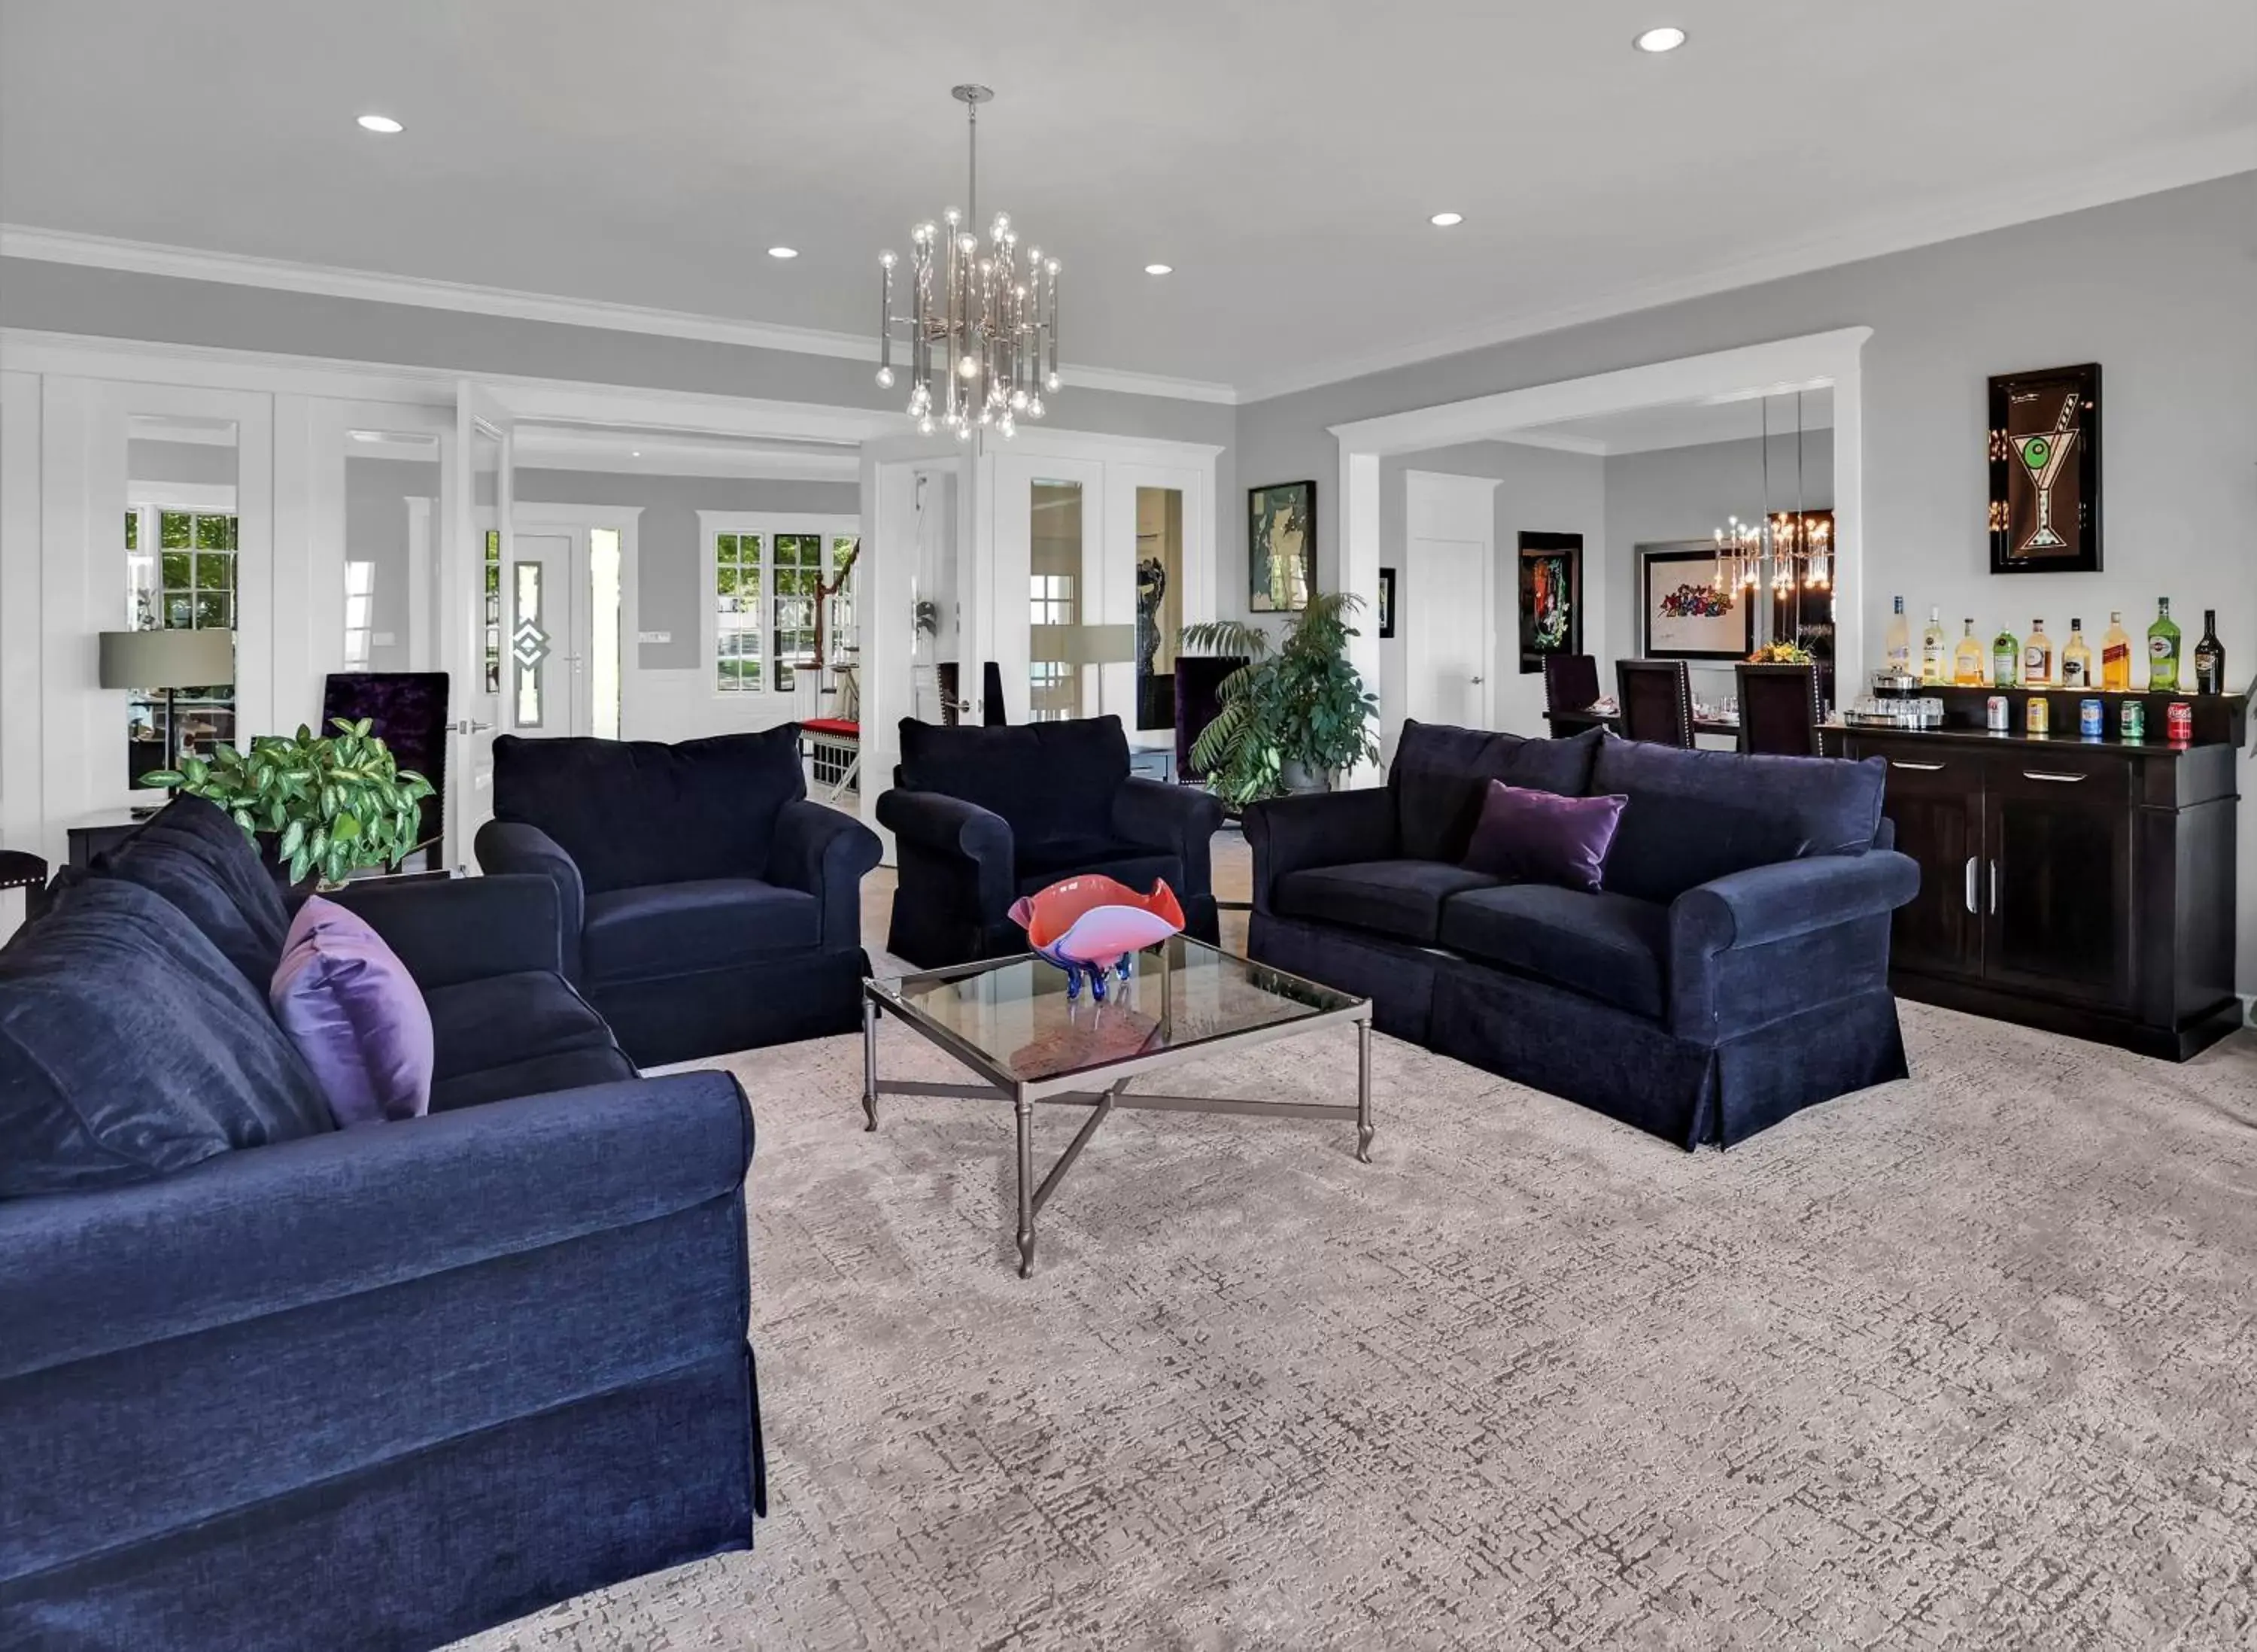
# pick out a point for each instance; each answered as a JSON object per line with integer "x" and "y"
{"x": 1590, "y": 446}
{"x": 2171, "y": 168}
{"x": 192, "y": 263}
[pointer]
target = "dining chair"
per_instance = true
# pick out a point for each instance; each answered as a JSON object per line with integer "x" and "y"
{"x": 1656, "y": 700}
{"x": 1780, "y": 709}
{"x": 1571, "y": 681}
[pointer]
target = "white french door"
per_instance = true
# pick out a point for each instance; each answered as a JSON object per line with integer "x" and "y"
{"x": 1447, "y": 602}
{"x": 477, "y": 645}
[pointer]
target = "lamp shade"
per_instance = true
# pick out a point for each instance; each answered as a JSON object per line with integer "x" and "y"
{"x": 167, "y": 659}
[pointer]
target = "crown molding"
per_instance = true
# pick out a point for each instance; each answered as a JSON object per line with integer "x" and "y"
{"x": 2150, "y": 173}
{"x": 373, "y": 286}
{"x": 1589, "y": 447}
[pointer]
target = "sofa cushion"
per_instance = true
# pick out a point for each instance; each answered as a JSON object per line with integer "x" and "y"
{"x": 1604, "y": 946}
{"x": 354, "y": 1013}
{"x": 194, "y": 854}
{"x": 675, "y": 928}
{"x": 499, "y": 1020}
{"x": 132, "y": 1048}
{"x": 1402, "y": 898}
{"x": 1526, "y": 836}
{"x": 717, "y": 799}
{"x": 1139, "y": 866}
{"x": 535, "y": 1075}
{"x": 1441, "y": 777}
{"x": 1053, "y": 781}
{"x": 1694, "y": 816}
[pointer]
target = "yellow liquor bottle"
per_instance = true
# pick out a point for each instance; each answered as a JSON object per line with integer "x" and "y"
{"x": 1967, "y": 660}
{"x": 2076, "y": 659}
{"x": 2116, "y": 656}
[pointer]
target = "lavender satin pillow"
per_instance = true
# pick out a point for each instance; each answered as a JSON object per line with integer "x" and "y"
{"x": 353, "y": 1011}
{"x": 1527, "y": 837}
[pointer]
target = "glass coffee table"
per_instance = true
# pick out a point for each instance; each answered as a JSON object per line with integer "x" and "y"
{"x": 1011, "y": 1022}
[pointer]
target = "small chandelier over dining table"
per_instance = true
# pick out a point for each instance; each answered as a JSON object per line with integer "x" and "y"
{"x": 1798, "y": 544}
{"x": 981, "y": 323}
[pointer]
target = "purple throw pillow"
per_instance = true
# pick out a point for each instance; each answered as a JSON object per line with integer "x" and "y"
{"x": 1528, "y": 837}
{"x": 353, "y": 1011}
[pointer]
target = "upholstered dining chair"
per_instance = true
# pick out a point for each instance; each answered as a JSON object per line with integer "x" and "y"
{"x": 1571, "y": 681}
{"x": 1656, "y": 700}
{"x": 1780, "y": 709}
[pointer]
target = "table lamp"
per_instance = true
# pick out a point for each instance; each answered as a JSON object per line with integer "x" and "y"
{"x": 171, "y": 660}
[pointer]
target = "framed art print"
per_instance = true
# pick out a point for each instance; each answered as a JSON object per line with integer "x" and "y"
{"x": 1551, "y": 597}
{"x": 2045, "y": 471}
{"x": 1281, "y": 546}
{"x": 1386, "y": 602}
{"x": 1682, "y": 615}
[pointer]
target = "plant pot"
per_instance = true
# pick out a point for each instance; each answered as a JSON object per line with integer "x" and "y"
{"x": 1297, "y": 779}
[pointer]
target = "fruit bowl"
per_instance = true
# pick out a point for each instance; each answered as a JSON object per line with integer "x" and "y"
{"x": 1089, "y": 926}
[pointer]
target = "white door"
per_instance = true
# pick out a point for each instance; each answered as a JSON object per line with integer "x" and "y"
{"x": 474, "y": 641}
{"x": 1047, "y": 579}
{"x": 1445, "y": 603}
{"x": 542, "y": 631}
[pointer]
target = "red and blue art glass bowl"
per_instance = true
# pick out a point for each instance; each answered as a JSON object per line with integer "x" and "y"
{"x": 1090, "y": 926}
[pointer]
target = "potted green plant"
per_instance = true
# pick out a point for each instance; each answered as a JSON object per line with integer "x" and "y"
{"x": 1295, "y": 715}
{"x": 319, "y": 806}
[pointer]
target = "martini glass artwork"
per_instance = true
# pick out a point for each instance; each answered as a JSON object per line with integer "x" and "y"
{"x": 2042, "y": 454}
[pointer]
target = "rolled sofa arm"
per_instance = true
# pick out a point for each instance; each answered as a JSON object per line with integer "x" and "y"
{"x": 512, "y": 846}
{"x": 826, "y": 854}
{"x": 454, "y": 929}
{"x": 1180, "y": 819}
{"x": 1328, "y": 829}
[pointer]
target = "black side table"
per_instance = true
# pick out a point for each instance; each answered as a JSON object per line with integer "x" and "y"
{"x": 98, "y": 837}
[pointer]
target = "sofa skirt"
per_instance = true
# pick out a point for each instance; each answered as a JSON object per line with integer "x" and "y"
{"x": 676, "y": 1018}
{"x": 1592, "y": 1053}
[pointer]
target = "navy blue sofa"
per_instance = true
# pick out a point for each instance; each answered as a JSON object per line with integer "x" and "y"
{"x": 983, "y": 815}
{"x": 268, "y": 1384}
{"x": 708, "y": 905}
{"x": 1733, "y": 970}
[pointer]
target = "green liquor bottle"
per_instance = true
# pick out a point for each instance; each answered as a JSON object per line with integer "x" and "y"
{"x": 2006, "y": 660}
{"x": 2162, "y": 649}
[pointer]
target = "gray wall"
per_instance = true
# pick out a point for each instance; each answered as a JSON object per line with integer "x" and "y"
{"x": 1687, "y": 493}
{"x": 666, "y": 537}
{"x": 201, "y": 462}
{"x": 2161, "y": 291}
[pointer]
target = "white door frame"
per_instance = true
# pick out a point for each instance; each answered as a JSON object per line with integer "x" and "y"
{"x": 576, "y": 521}
{"x": 1441, "y": 505}
{"x": 1784, "y": 364}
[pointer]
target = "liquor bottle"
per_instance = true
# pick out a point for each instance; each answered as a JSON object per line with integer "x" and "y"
{"x": 2162, "y": 648}
{"x": 1967, "y": 660}
{"x": 2037, "y": 657}
{"x": 1897, "y": 640}
{"x": 2116, "y": 655}
{"x": 1934, "y": 650}
{"x": 2076, "y": 659}
{"x": 2209, "y": 657}
{"x": 2006, "y": 659}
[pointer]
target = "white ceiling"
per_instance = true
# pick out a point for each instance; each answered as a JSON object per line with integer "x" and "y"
{"x": 1688, "y": 424}
{"x": 1282, "y": 156}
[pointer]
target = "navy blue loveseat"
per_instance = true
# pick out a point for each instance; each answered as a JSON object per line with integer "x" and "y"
{"x": 1733, "y": 970}
{"x": 708, "y": 905}
{"x": 264, "y": 1383}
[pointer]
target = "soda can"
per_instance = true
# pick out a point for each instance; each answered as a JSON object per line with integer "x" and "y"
{"x": 2037, "y": 716}
{"x": 2091, "y": 719}
{"x": 1998, "y": 719}
{"x": 2134, "y": 721}
{"x": 2180, "y": 723}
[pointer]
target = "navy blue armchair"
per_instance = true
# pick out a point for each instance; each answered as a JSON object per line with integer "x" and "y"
{"x": 983, "y": 815}
{"x": 707, "y": 906}
{"x": 376, "y": 1387}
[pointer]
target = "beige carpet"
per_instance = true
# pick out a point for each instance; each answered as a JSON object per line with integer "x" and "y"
{"x": 1967, "y": 1361}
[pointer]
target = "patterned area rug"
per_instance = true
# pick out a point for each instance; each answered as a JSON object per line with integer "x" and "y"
{"x": 1970, "y": 1361}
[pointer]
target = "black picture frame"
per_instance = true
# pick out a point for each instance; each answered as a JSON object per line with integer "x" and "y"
{"x": 2045, "y": 511}
{"x": 1664, "y": 569}
{"x": 1278, "y": 509}
{"x": 1386, "y": 602}
{"x": 1546, "y": 562}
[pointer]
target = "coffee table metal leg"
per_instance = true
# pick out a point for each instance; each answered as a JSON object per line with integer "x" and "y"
{"x": 1025, "y": 1109}
{"x": 1364, "y": 1090}
{"x": 870, "y": 1062}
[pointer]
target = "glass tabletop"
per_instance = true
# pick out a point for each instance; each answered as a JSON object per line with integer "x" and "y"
{"x": 1011, "y": 1017}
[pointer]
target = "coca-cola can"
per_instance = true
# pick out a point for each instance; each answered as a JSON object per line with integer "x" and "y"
{"x": 2179, "y": 720}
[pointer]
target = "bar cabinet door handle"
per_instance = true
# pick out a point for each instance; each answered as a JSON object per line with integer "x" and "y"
{"x": 1994, "y": 888}
{"x": 1925, "y": 768}
{"x": 2058, "y": 779}
{"x": 1971, "y": 906}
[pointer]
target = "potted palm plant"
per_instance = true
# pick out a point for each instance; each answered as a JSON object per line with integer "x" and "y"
{"x": 1295, "y": 715}
{"x": 318, "y": 805}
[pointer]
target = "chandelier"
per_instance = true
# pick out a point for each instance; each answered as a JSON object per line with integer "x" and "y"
{"x": 981, "y": 328}
{"x": 1798, "y": 544}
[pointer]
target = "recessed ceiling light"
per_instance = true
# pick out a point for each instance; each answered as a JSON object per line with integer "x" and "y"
{"x": 634, "y": 453}
{"x": 1444, "y": 220}
{"x": 1159, "y": 269}
{"x": 783, "y": 252}
{"x": 380, "y": 123}
{"x": 1668, "y": 37}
